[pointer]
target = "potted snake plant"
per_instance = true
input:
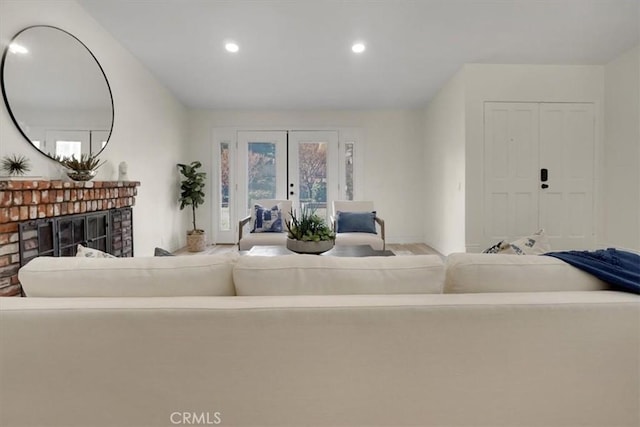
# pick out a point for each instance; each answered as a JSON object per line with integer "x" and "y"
{"x": 309, "y": 233}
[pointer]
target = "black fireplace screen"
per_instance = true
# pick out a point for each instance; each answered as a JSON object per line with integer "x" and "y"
{"x": 109, "y": 231}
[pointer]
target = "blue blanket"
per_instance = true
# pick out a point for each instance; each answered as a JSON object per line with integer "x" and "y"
{"x": 620, "y": 269}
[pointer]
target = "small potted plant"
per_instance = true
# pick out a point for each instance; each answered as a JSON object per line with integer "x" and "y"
{"x": 82, "y": 169}
{"x": 15, "y": 165}
{"x": 309, "y": 233}
{"x": 191, "y": 194}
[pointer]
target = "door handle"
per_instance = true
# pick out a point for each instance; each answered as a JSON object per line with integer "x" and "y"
{"x": 544, "y": 186}
{"x": 544, "y": 175}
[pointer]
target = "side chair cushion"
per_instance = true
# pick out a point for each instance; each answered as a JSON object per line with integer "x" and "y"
{"x": 356, "y": 222}
{"x": 267, "y": 220}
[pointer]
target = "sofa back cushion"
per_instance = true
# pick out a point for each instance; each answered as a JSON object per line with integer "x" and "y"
{"x": 471, "y": 273}
{"x": 320, "y": 275}
{"x": 128, "y": 277}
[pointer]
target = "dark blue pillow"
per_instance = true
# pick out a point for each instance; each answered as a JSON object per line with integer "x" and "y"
{"x": 356, "y": 222}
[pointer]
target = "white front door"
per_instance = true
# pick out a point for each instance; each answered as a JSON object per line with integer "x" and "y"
{"x": 539, "y": 166}
{"x": 567, "y": 145}
{"x": 511, "y": 170}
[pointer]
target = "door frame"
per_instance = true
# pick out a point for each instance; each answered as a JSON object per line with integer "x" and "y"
{"x": 228, "y": 134}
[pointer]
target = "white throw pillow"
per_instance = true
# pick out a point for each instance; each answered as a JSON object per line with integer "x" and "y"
{"x": 92, "y": 253}
{"x": 325, "y": 275}
{"x": 535, "y": 244}
{"x": 195, "y": 275}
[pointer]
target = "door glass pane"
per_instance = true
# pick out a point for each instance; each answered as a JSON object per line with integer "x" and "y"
{"x": 225, "y": 218}
{"x": 312, "y": 165}
{"x": 348, "y": 159}
{"x": 261, "y": 174}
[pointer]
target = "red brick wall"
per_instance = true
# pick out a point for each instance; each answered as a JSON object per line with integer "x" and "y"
{"x": 26, "y": 200}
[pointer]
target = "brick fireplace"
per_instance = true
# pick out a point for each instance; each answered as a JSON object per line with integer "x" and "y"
{"x": 24, "y": 202}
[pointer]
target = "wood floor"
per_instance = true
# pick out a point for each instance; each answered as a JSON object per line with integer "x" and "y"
{"x": 398, "y": 249}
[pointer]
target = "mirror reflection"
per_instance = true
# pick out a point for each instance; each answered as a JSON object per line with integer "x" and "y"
{"x": 56, "y": 92}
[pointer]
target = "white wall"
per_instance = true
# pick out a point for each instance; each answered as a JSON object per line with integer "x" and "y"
{"x": 393, "y": 149}
{"x": 622, "y": 151}
{"x": 149, "y": 126}
{"x": 444, "y": 159}
{"x": 530, "y": 83}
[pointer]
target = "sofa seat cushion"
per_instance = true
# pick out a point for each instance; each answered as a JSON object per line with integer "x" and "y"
{"x": 353, "y": 239}
{"x": 318, "y": 275}
{"x": 470, "y": 273}
{"x": 196, "y": 275}
{"x": 262, "y": 239}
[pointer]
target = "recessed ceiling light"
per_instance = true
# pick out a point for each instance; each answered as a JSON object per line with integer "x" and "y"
{"x": 232, "y": 47}
{"x": 358, "y": 47}
{"x": 17, "y": 48}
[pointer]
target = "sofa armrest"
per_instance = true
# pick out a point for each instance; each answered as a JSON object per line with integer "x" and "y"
{"x": 241, "y": 224}
{"x": 380, "y": 222}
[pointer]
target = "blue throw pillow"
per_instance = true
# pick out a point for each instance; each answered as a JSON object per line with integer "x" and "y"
{"x": 267, "y": 220}
{"x": 356, "y": 222}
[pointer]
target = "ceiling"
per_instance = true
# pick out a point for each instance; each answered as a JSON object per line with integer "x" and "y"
{"x": 297, "y": 54}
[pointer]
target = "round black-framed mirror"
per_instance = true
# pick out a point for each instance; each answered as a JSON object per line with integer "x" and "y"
{"x": 56, "y": 92}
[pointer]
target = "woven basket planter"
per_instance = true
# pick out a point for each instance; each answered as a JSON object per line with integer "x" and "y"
{"x": 196, "y": 242}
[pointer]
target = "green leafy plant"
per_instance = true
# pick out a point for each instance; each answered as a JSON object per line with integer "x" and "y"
{"x": 86, "y": 162}
{"x": 191, "y": 187}
{"x": 15, "y": 164}
{"x": 309, "y": 227}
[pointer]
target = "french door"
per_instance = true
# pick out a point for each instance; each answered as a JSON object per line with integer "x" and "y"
{"x": 302, "y": 166}
{"x": 313, "y": 170}
{"x": 262, "y": 167}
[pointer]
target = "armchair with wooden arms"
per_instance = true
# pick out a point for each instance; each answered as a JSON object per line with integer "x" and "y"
{"x": 248, "y": 239}
{"x": 369, "y": 234}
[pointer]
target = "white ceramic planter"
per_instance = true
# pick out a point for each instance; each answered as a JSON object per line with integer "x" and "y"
{"x": 303, "y": 247}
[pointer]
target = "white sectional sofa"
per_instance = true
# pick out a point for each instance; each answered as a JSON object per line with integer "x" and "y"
{"x": 318, "y": 341}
